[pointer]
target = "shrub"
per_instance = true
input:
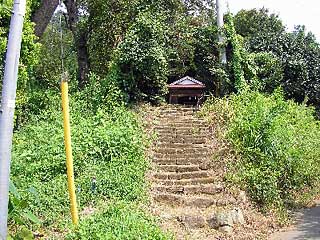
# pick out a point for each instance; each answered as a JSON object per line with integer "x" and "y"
{"x": 298, "y": 51}
{"x": 119, "y": 221}
{"x": 108, "y": 144}
{"x": 269, "y": 72}
{"x": 141, "y": 59}
{"x": 278, "y": 142}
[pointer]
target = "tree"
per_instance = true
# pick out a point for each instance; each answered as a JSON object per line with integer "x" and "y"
{"x": 108, "y": 22}
{"x": 298, "y": 52}
{"x": 262, "y": 31}
{"x": 29, "y": 50}
{"x": 28, "y": 60}
{"x": 80, "y": 30}
{"x": 48, "y": 71}
{"x": 42, "y": 15}
{"x": 141, "y": 59}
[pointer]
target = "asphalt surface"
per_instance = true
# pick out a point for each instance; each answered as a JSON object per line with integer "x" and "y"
{"x": 307, "y": 227}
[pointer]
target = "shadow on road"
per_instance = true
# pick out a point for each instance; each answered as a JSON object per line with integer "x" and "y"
{"x": 308, "y": 226}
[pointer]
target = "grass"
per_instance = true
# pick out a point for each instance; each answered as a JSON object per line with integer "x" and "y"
{"x": 108, "y": 145}
{"x": 277, "y": 142}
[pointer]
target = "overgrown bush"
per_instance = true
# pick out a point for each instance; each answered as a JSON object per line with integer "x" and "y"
{"x": 279, "y": 145}
{"x": 109, "y": 224}
{"x": 108, "y": 145}
{"x": 268, "y": 72}
{"x": 141, "y": 59}
{"x": 298, "y": 51}
{"x": 29, "y": 56}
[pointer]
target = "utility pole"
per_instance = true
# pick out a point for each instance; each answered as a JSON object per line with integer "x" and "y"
{"x": 221, "y": 39}
{"x": 7, "y": 108}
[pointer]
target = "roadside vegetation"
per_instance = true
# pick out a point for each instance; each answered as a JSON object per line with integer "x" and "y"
{"x": 276, "y": 143}
{"x": 110, "y": 165}
{"x": 265, "y": 101}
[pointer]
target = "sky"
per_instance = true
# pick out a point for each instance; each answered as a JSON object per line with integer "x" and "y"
{"x": 291, "y": 12}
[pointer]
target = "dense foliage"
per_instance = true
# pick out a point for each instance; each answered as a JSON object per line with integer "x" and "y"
{"x": 278, "y": 142}
{"x": 133, "y": 49}
{"x": 237, "y": 55}
{"x": 141, "y": 59}
{"x": 108, "y": 146}
{"x": 298, "y": 52}
{"x": 28, "y": 60}
{"x": 29, "y": 50}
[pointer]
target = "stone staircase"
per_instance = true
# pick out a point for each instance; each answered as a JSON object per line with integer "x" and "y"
{"x": 187, "y": 185}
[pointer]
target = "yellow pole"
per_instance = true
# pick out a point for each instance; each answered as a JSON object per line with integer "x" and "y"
{"x": 67, "y": 141}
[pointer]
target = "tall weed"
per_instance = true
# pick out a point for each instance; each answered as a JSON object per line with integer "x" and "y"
{"x": 279, "y": 145}
{"x": 108, "y": 147}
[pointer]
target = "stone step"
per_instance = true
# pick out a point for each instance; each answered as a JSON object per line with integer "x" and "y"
{"x": 178, "y": 109}
{"x": 178, "y": 151}
{"x": 179, "y": 145}
{"x": 167, "y": 114}
{"x": 182, "y": 128}
{"x": 192, "y": 119}
{"x": 209, "y": 189}
{"x": 178, "y": 168}
{"x": 168, "y": 136}
{"x": 182, "y": 133}
{"x": 180, "y": 176}
{"x": 190, "y": 123}
{"x": 189, "y": 140}
{"x": 171, "y": 140}
{"x": 193, "y": 181}
{"x": 164, "y": 162}
{"x": 194, "y": 201}
{"x": 180, "y": 161}
{"x": 181, "y": 155}
{"x": 166, "y": 125}
{"x": 176, "y": 118}
{"x": 174, "y": 199}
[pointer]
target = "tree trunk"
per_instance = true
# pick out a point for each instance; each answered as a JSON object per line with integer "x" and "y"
{"x": 83, "y": 59}
{"x": 42, "y": 16}
{"x": 80, "y": 38}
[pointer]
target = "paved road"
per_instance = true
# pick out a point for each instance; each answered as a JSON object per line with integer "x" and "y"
{"x": 308, "y": 226}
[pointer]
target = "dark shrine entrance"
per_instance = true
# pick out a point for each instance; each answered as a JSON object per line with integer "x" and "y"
{"x": 187, "y": 91}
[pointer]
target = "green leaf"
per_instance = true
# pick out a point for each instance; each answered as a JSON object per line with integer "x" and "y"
{"x": 30, "y": 216}
{"x": 25, "y": 234}
{"x": 13, "y": 190}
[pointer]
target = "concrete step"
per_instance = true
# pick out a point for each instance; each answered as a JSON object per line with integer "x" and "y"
{"x": 182, "y": 182}
{"x": 180, "y": 176}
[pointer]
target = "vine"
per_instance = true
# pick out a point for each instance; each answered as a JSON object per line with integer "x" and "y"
{"x": 237, "y": 54}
